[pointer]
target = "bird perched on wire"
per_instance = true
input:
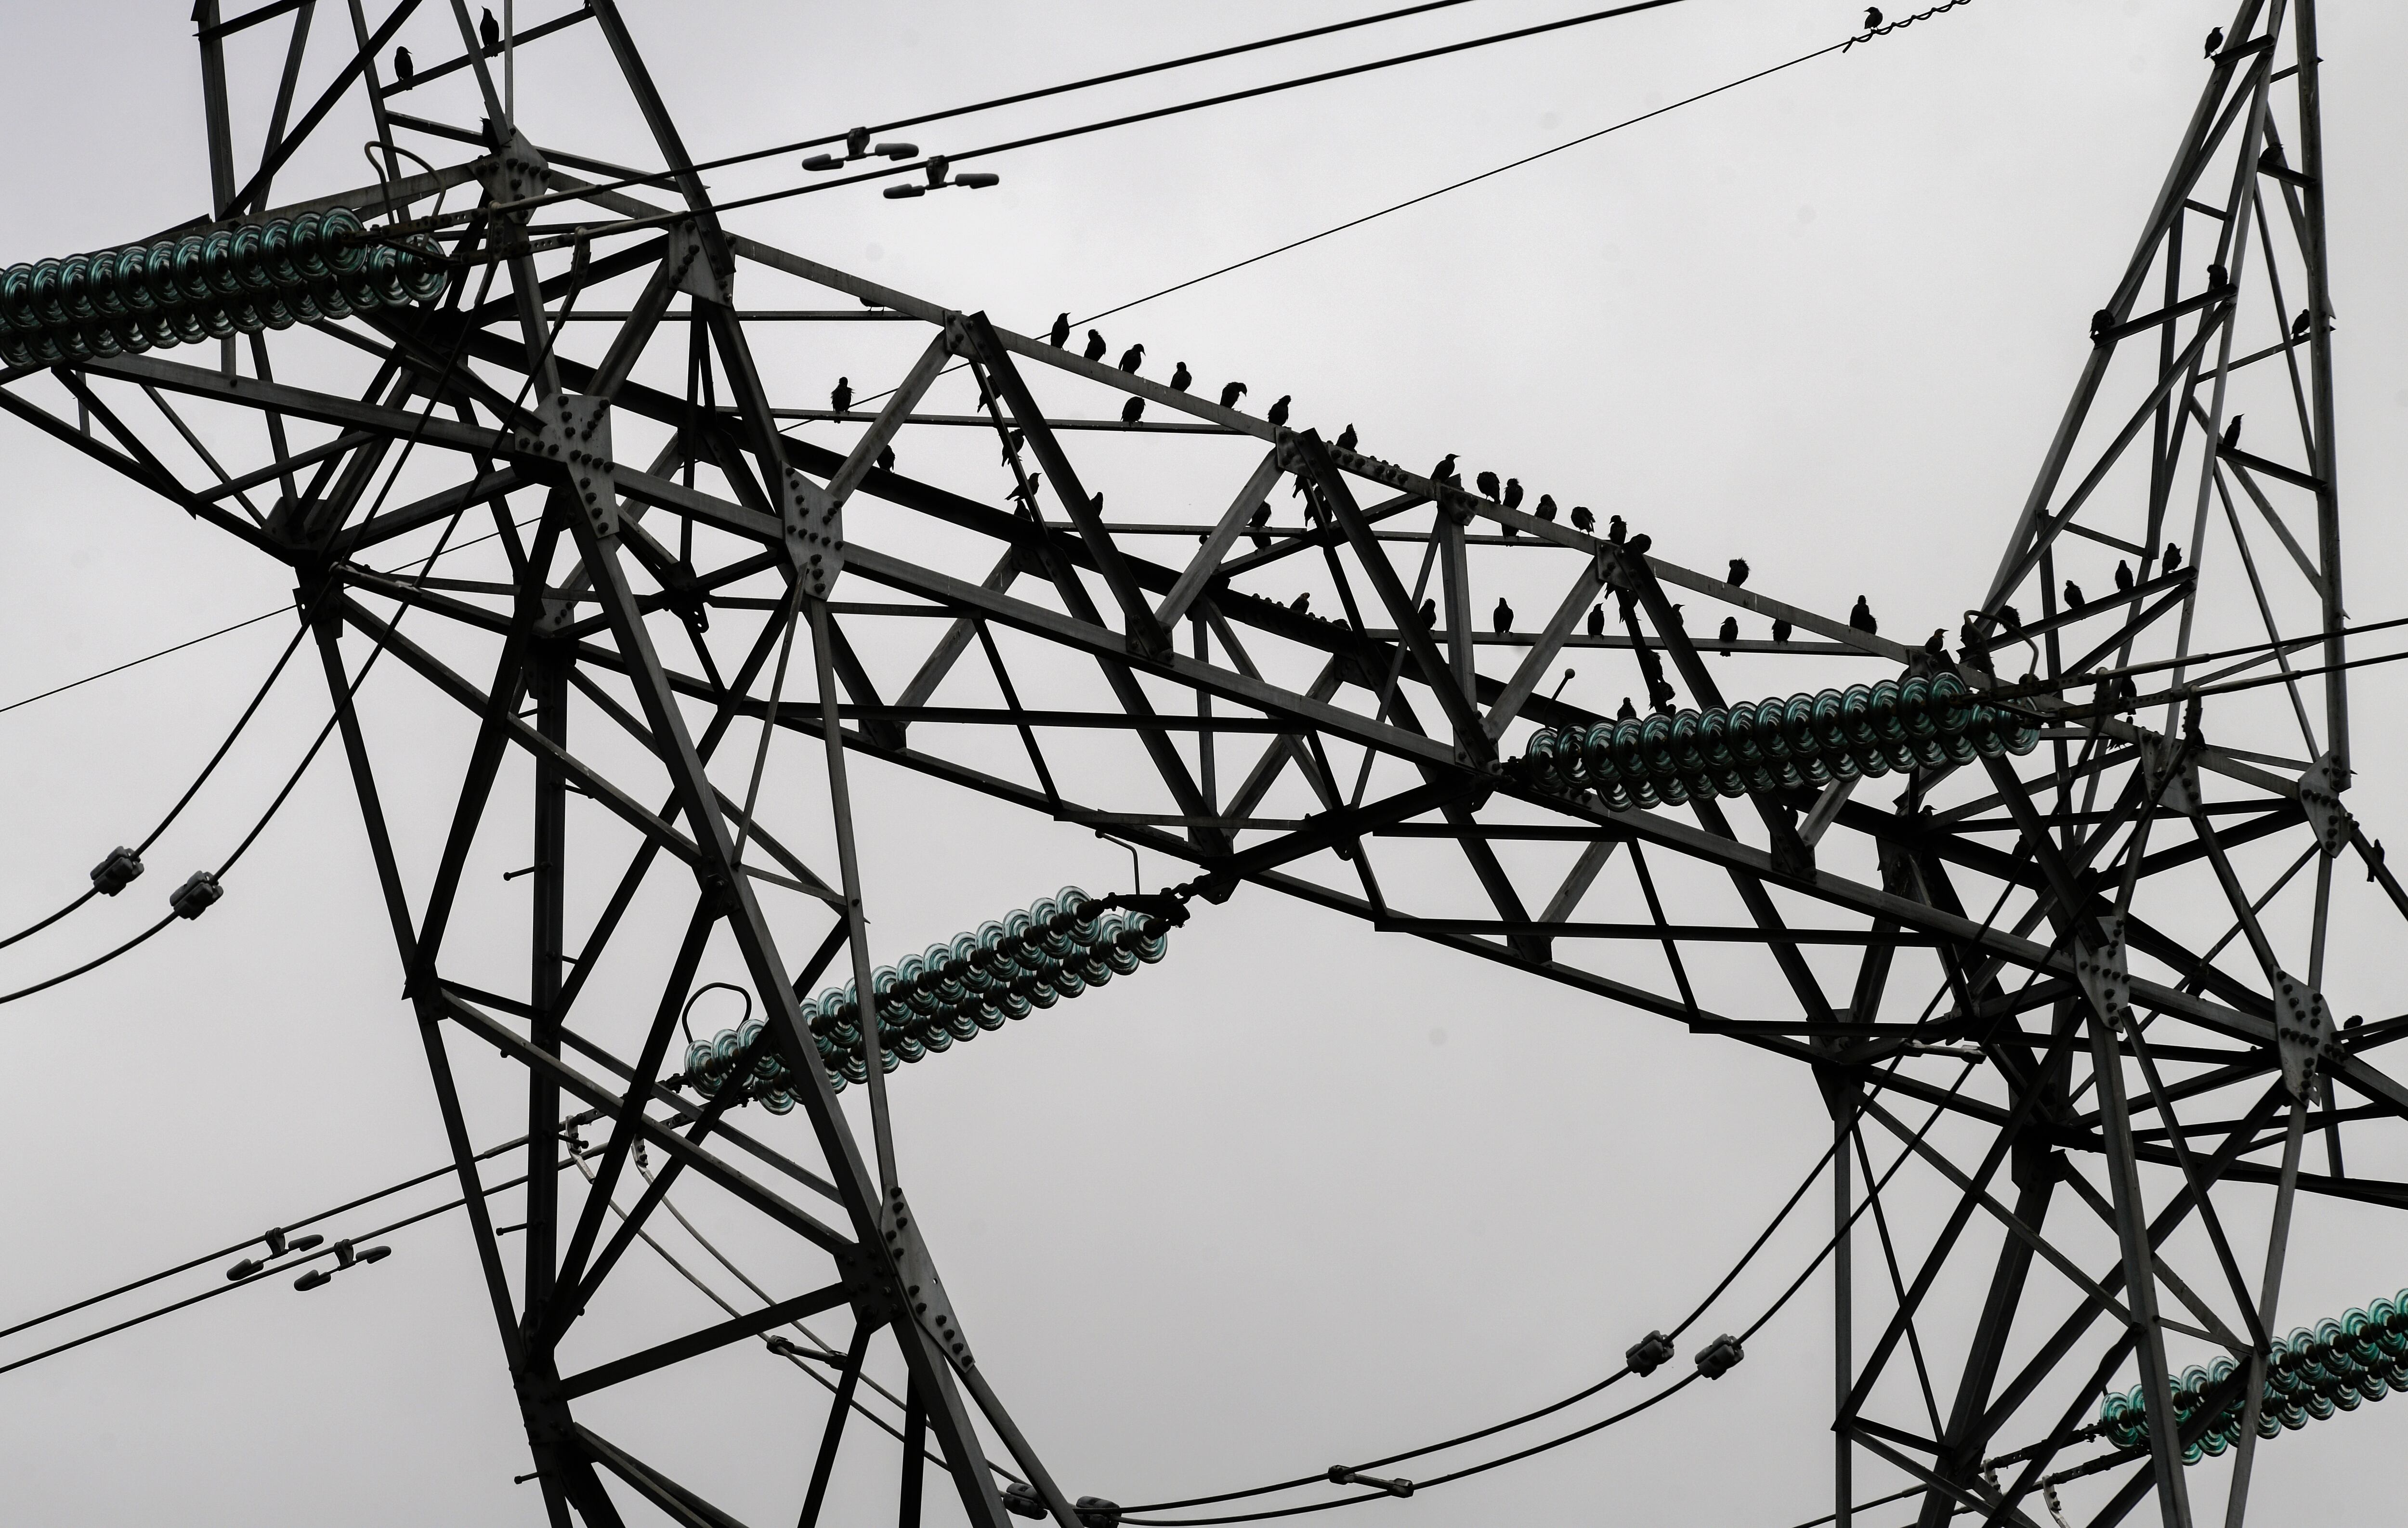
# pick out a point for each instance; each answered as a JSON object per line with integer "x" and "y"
{"x": 1444, "y": 472}
{"x": 1261, "y": 516}
{"x": 1781, "y": 630}
{"x": 2215, "y": 40}
{"x": 2123, "y": 576}
{"x": 1861, "y": 618}
{"x": 1503, "y": 619}
{"x": 2173, "y": 557}
{"x": 1872, "y": 18}
{"x": 2073, "y": 600}
{"x": 1346, "y": 438}
{"x": 1488, "y": 486}
{"x": 1278, "y": 415}
{"x": 1096, "y": 346}
{"x": 1730, "y": 632}
{"x": 1546, "y": 509}
{"x": 1180, "y": 376}
{"x": 1582, "y": 520}
{"x": 1132, "y": 358}
{"x": 840, "y": 400}
{"x": 491, "y": 31}
{"x": 1232, "y": 393}
{"x": 402, "y": 70}
{"x": 1132, "y": 410}
{"x": 1428, "y": 613}
{"x": 1615, "y": 529}
{"x": 2231, "y": 433}
{"x": 1060, "y": 333}
{"x": 1596, "y": 621}
{"x": 1739, "y": 571}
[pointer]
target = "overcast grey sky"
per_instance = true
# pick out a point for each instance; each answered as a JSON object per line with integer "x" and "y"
{"x": 1301, "y": 1192}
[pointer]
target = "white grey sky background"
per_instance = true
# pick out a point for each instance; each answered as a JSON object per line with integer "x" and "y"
{"x": 1302, "y": 1193}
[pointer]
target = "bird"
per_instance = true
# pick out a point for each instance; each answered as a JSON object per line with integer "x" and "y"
{"x": 1637, "y": 546}
{"x": 2073, "y": 600}
{"x": 1872, "y": 17}
{"x": 1938, "y": 646}
{"x": 1429, "y": 613}
{"x": 1780, "y": 630}
{"x": 2011, "y": 617}
{"x": 1180, "y": 376}
{"x": 1060, "y": 333}
{"x": 1262, "y": 516}
{"x": 1546, "y": 507}
{"x": 983, "y": 395}
{"x": 1444, "y": 472}
{"x": 1300, "y": 602}
{"x": 1230, "y": 395}
{"x": 1131, "y": 410}
{"x": 1596, "y": 621}
{"x": 1739, "y": 571}
{"x": 1678, "y": 619}
{"x": 1513, "y": 499}
{"x": 2173, "y": 557}
{"x": 2219, "y": 278}
{"x": 886, "y": 459}
{"x": 2124, "y": 576}
{"x": 1665, "y": 695}
{"x": 2231, "y": 433}
{"x": 1011, "y": 443}
{"x": 1026, "y": 492}
{"x": 1132, "y": 358}
{"x": 1730, "y": 632}
{"x": 1861, "y": 618}
{"x": 402, "y": 70}
{"x": 1615, "y": 529}
{"x": 1582, "y": 520}
{"x": 1096, "y": 346}
{"x": 491, "y": 31}
{"x": 1278, "y": 415}
{"x": 1628, "y": 713}
{"x": 1487, "y": 483}
{"x": 2300, "y": 326}
{"x": 1346, "y": 438}
{"x": 2214, "y": 40}
{"x": 1503, "y": 619}
{"x": 841, "y": 399}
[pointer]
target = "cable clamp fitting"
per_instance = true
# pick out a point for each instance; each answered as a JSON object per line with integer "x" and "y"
{"x": 1720, "y": 1356}
{"x": 1648, "y": 1354}
{"x": 1341, "y": 1475}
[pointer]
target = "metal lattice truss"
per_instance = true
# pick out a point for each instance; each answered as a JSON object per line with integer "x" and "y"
{"x": 665, "y": 526}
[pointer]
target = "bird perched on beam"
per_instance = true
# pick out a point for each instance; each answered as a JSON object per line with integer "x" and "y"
{"x": 2173, "y": 557}
{"x": 490, "y": 31}
{"x": 1011, "y": 443}
{"x": 1615, "y": 529}
{"x": 1132, "y": 410}
{"x": 1232, "y": 393}
{"x": 1546, "y": 509}
{"x": 1346, "y": 438}
{"x": 1132, "y": 358}
{"x": 2215, "y": 40}
{"x": 1487, "y": 484}
{"x": 1861, "y": 618}
{"x": 1513, "y": 500}
{"x": 2231, "y": 434}
{"x": 1301, "y": 602}
{"x": 402, "y": 69}
{"x": 1429, "y": 614}
{"x": 1444, "y": 472}
{"x": 1096, "y": 346}
{"x": 1739, "y": 571}
{"x": 1261, "y": 516}
{"x": 2219, "y": 278}
{"x": 840, "y": 400}
{"x": 1937, "y": 645}
{"x": 1180, "y": 376}
{"x": 1628, "y": 711}
{"x": 1503, "y": 619}
{"x": 2302, "y": 324}
{"x": 2073, "y": 600}
{"x": 1026, "y": 492}
{"x": 886, "y": 459}
{"x": 1729, "y": 633}
{"x": 1583, "y": 520}
{"x": 1278, "y": 415}
{"x": 1596, "y": 621}
{"x": 1781, "y": 628}
{"x": 1060, "y": 333}
{"x": 2123, "y": 576}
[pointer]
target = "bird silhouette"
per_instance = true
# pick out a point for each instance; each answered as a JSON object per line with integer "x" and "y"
{"x": 2124, "y": 576}
{"x": 1739, "y": 571}
{"x": 1513, "y": 499}
{"x": 2214, "y": 40}
{"x": 1132, "y": 358}
{"x": 1180, "y": 376}
{"x": 1615, "y": 529}
{"x": 2300, "y": 326}
{"x": 1637, "y": 546}
{"x": 1346, "y": 438}
{"x": 1300, "y": 603}
{"x": 1060, "y": 333}
{"x": 1278, "y": 415}
{"x": 1230, "y": 395}
{"x": 2011, "y": 617}
{"x": 1678, "y": 619}
{"x": 2231, "y": 433}
{"x": 1131, "y": 410}
{"x": 1546, "y": 507}
{"x": 1861, "y": 618}
{"x": 1487, "y": 483}
{"x": 1780, "y": 630}
{"x": 840, "y": 400}
{"x": 402, "y": 70}
{"x": 1596, "y": 621}
{"x": 1444, "y": 472}
{"x": 1096, "y": 346}
{"x": 1011, "y": 443}
{"x": 1026, "y": 492}
{"x": 1503, "y": 619}
{"x": 1872, "y": 17}
{"x": 1582, "y": 520}
{"x": 2173, "y": 557}
{"x": 2219, "y": 278}
{"x": 1261, "y": 516}
{"x": 1665, "y": 695}
{"x": 983, "y": 395}
{"x": 1628, "y": 711}
{"x": 1937, "y": 645}
{"x": 886, "y": 459}
{"x": 2073, "y": 600}
{"x": 1730, "y": 632}
{"x": 491, "y": 31}
{"x": 1429, "y": 613}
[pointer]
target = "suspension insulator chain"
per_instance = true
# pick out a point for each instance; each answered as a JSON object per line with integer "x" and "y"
{"x": 2336, "y": 1366}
